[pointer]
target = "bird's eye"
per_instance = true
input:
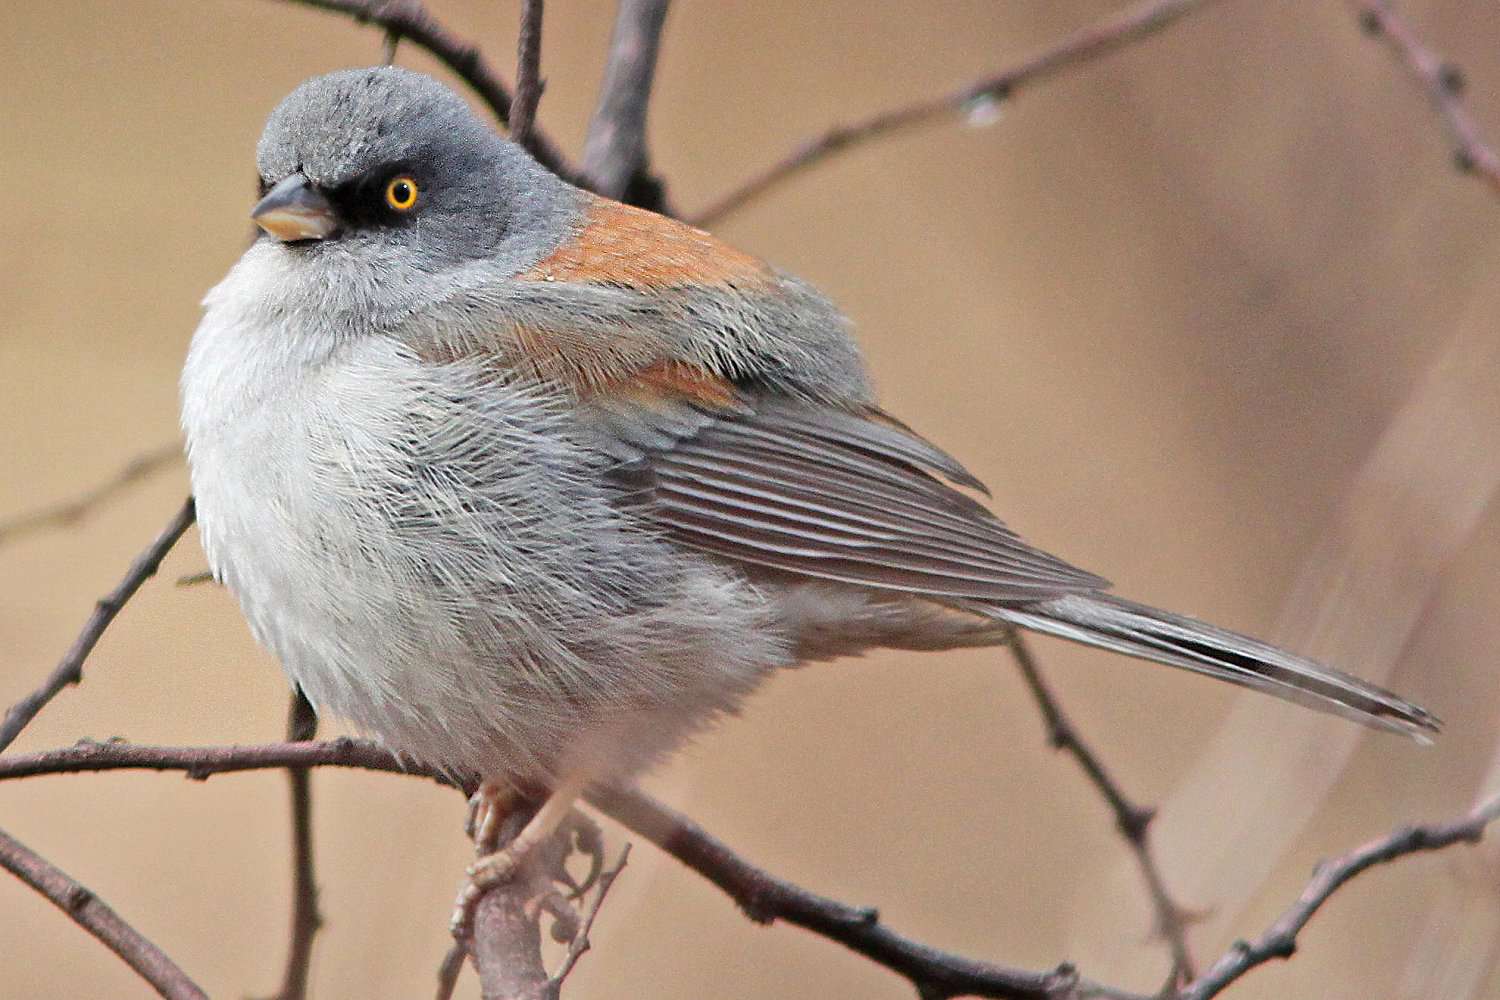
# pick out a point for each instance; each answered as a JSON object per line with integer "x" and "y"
{"x": 401, "y": 193}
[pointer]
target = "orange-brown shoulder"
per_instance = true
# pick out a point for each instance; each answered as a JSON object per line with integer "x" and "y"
{"x": 669, "y": 382}
{"x": 623, "y": 245}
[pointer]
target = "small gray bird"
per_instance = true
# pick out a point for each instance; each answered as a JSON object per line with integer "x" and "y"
{"x": 533, "y": 485}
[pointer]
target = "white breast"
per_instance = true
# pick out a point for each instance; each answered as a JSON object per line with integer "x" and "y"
{"x": 431, "y": 553}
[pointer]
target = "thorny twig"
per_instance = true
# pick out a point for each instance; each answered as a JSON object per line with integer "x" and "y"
{"x": 1443, "y": 82}
{"x": 1133, "y": 820}
{"x": 69, "y": 512}
{"x": 1088, "y": 43}
{"x": 70, "y": 669}
{"x": 95, "y": 916}
{"x": 529, "y": 82}
{"x": 615, "y": 158}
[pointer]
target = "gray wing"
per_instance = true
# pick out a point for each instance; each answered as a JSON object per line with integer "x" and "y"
{"x": 821, "y": 492}
{"x": 859, "y": 498}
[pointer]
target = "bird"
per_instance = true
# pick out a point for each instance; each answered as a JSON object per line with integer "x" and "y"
{"x": 533, "y": 486}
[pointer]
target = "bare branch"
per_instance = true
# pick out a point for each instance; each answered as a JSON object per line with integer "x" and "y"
{"x": 615, "y": 158}
{"x": 95, "y": 916}
{"x": 1115, "y": 32}
{"x": 1134, "y": 821}
{"x": 506, "y": 939}
{"x": 409, "y": 20}
{"x": 200, "y": 763}
{"x": 69, "y": 512}
{"x": 448, "y": 971}
{"x": 301, "y": 725}
{"x": 761, "y": 895}
{"x": 1443, "y": 82}
{"x": 765, "y": 898}
{"x": 529, "y": 82}
{"x": 580, "y": 942}
{"x": 70, "y": 669}
{"x": 1280, "y": 939}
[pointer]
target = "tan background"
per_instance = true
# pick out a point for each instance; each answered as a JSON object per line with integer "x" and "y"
{"x": 1165, "y": 308}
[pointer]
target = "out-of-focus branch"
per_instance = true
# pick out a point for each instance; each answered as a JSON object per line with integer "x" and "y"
{"x": 410, "y": 20}
{"x": 68, "y": 512}
{"x": 70, "y": 669}
{"x": 1110, "y": 34}
{"x": 529, "y": 82}
{"x": 615, "y": 158}
{"x": 1280, "y": 939}
{"x": 301, "y": 725}
{"x": 1133, "y": 821}
{"x": 95, "y": 916}
{"x": 1443, "y": 83}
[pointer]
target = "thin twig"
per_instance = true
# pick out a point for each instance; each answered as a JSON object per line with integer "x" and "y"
{"x": 69, "y": 512}
{"x": 1443, "y": 82}
{"x": 1110, "y": 34}
{"x": 449, "y": 969}
{"x": 529, "y": 82}
{"x": 201, "y": 763}
{"x": 580, "y": 942}
{"x": 95, "y": 916}
{"x": 1133, "y": 820}
{"x": 70, "y": 669}
{"x": 765, "y": 898}
{"x": 615, "y": 159}
{"x": 410, "y": 21}
{"x": 1280, "y": 939}
{"x": 301, "y": 725}
{"x": 761, "y": 895}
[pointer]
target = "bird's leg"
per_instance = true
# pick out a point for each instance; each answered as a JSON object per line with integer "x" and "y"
{"x": 487, "y": 807}
{"x": 492, "y": 869}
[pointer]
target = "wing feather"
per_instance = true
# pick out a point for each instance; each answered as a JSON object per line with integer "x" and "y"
{"x": 825, "y": 493}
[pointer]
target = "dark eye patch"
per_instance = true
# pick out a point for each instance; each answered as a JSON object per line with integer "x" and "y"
{"x": 361, "y": 200}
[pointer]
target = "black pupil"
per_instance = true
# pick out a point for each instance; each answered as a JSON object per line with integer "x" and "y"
{"x": 401, "y": 192}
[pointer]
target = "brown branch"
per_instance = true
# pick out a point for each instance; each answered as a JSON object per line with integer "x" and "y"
{"x": 1280, "y": 939}
{"x": 761, "y": 895}
{"x": 95, "y": 916}
{"x": 301, "y": 725}
{"x": 1443, "y": 82}
{"x": 70, "y": 669}
{"x": 615, "y": 158}
{"x": 69, "y": 512}
{"x": 1112, "y": 33}
{"x": 506, "y": 939}
{"x": 765, "y": 898}
{"x": 529, "y": 82}
{"x": 1133, "y": 820}
{"x": 581, "y": 943}
{"x": 201, "y": 763}
{"x": 409, "y": 20}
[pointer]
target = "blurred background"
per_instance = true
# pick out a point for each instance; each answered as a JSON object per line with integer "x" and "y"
{"x": 1213, "y": 317}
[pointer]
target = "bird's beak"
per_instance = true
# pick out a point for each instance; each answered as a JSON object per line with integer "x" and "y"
{"x": 295, "y": 210}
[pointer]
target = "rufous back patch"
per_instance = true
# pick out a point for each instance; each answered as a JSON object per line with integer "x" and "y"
{"x": 677, "y": 381}
{"x": 623, "y": 245}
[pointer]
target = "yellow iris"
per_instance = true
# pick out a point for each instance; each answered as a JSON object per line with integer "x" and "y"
{"x": 401, "y": 193}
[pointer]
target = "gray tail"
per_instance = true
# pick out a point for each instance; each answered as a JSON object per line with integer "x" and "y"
{"x": 1137, "y": 630}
